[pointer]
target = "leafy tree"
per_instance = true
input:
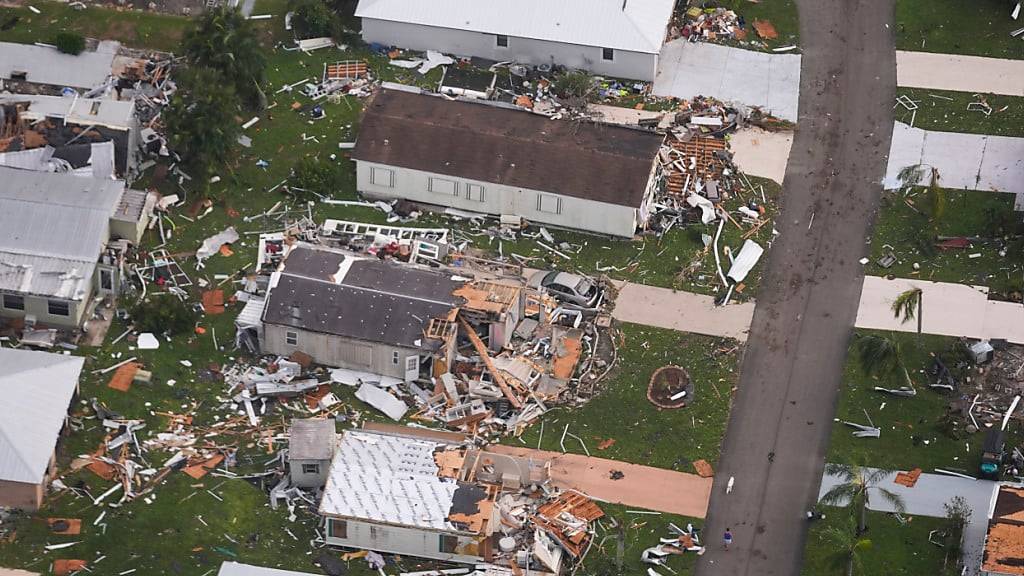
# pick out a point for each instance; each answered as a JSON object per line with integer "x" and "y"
{"x": 312, "y": 18}
{"x": 224, "y": 40}
{"x": 855, "y": 486}
{"x": 882, "y": 357}
{"x": 163, "y": 315}
{"x": 69, "y": 43}
{"x": 847, "y": 547}
{"x": 201, "y": 122}
{"x": 576, "y": 84}
{"x": 907, "y": 306}
{"x": 958, "y": 514}
{"x": 315, "y": 177}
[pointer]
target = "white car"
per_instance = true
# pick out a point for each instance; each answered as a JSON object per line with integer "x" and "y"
{"x": 572, "y": 289}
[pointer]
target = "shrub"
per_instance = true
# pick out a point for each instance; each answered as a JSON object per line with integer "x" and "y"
{"x": 69, "y": 43}
{"x": 574, "y": 85}
{"x": 315, "y": 177}
{"x": 163, "y": 314}
{"x": 312, "y": 18}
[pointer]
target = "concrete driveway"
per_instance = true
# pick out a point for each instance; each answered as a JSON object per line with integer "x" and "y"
{"x": 960, "y": 73}
{"x": 771, "y": 81}
{"x": 927, "y": 497}
{"x": 683, "y": 311}
{"x": 966, "y": 161}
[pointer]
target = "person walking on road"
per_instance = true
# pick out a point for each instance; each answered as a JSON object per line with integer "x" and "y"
{"x": 728, "y": 538}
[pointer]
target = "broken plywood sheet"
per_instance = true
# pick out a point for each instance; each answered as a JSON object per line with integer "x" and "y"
{"x": 765, "y": 29}
{"x": 381, "y": 400}
{"x": 123, "y": 377}
{"x": 213, "y": 302}
{"x": 567, "y": 356}
{"x": 70, "y": 526}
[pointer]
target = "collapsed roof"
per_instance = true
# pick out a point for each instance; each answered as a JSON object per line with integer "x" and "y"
{"x": 512, "y": 147}
{"x": 46, "y": 65}
{"x": 326, "y": 291}
{"x": 1004, "y": 547}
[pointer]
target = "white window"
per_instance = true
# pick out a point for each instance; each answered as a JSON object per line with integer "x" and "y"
{"x": 394, "y": 357}
{"x": 412, "y": 363}
{"x": 442, "y": 186}
{"x": 382, "y": 177}
{"x": 475, "y": 192}
{"x": 548, "y": 203}
{"x": 337, "y": 528}
{"x": 291, "y": 338}
{"x": 501, "y": 41}
{"x": 310, "y": 468}
{"x": 607, "y": 54}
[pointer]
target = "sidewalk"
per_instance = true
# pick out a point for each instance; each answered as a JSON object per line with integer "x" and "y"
{"x": 968, "y": 161}
{"x": 771, "y": 81}
{"x": 960, "y": 73}
{"x": 683, "y": 311}
{"x": 947, "y": 309}
{"x": 927, "y": 497}
{"x": 641, "y": 486}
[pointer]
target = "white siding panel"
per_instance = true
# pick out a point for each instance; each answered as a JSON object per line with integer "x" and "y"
{"x": 575, "y": 213}
{"x": 405, "y": 541}
{"x": 634, "y": 65}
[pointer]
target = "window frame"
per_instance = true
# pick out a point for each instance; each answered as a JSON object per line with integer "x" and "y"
{"x": 18, "y": 297}
{"x": 447, "y": 543}
{"x": 498, "y": 40}
{"x": 108, "y": 274}
{"x": 291, "y": 338}
{"x": 395, "y": 358}
{"x": 541, "y": 197}
{"x": 60, "y": 303}
{"x": 608, "y": 54}
{"x": 376, "y": 171}
{"x": 331, "y": 523}
{"x": 482, "y": 192}
{"x": 310, "y": 468}
{"x": 431, "y": 188}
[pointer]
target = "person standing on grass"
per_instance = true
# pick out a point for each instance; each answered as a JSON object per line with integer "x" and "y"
{"x": 728, "y": 538}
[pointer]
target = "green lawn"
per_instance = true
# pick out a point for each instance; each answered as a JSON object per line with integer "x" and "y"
{"x": 982, "y": 214}
{"x": 640, "y": 531}
{"x": 895, "y": 548}
{"x": 976, "y": 28}
{"x": 914, "y": 430}
{"x": 947, "y": 111}
{"x": 133, "y": 28}
{"x": 643, "y": 433}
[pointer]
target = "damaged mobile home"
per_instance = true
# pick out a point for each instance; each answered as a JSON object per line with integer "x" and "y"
{"x": 491, "y": 159}
{"x": 64, "y": 242}
{"x": 425, "y": 493}
{"x": 618, "y": 39}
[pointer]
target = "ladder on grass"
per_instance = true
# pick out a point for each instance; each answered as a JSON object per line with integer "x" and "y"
{"x": 178, "y": 276}
{"x": 347, "y": 228}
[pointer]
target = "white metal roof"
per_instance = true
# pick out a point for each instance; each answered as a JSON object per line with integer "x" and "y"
{"x": 107, "y": 112}
{"x": 37, "y": 388}
{"x": 392, "y": 479}
{"x": 54, "y": 227}
{"x": 236, "y": 569}
{"x": 44, "y": 65}
{"x": 634, "y": 25}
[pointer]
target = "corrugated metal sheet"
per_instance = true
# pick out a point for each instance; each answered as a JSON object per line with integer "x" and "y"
{"x": 236, "y": 569}
{"x": 85, "y": 111}
{"x": 634, "y": 25}
{"x": 54, "y": 226}
{"x": 393, "y": 479}
{"x": 37, "y": 388}
{"x": 48, "y": 66}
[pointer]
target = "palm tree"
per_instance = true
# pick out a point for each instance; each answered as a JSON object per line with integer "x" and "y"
{"x": 856, "y": 484}
{"x": 847, "y": 546}
{"x": 907, "y": 306}
{"x": 882, "y": 357}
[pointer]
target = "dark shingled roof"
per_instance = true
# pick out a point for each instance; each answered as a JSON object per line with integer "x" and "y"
{"x": 376, "y": 301}
{"x": 516, "y": 148}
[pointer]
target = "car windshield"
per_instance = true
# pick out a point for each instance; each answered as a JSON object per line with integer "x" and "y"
{"x": 585, "y": 287}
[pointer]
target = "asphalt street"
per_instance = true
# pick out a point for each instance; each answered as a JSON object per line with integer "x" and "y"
{"x": 808, "y": 299}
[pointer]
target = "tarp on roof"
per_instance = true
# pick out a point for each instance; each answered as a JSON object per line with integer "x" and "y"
{"x": 634, "y": 25}
{"x": 36, "y": 388}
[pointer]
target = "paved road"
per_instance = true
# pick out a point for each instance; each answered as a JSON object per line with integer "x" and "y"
{"x": 808, "y": 299}
{"x": 927, "y": 498}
